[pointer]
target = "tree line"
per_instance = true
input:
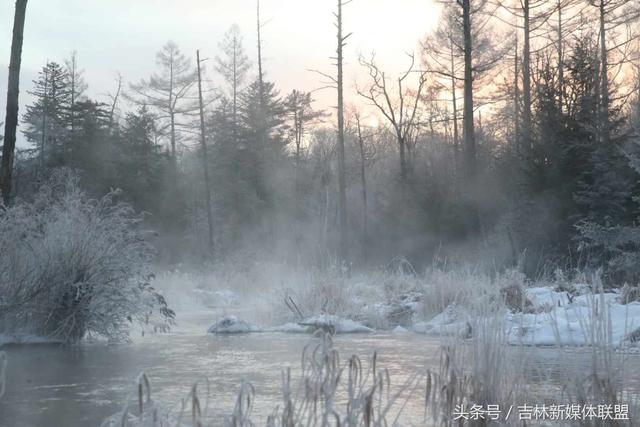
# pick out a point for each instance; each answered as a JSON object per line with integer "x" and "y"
{"x": 511, "y": 137}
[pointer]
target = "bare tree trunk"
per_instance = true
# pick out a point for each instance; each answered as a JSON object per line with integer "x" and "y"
{"x": 298, "y": 135}
{"x": 343, "y": 253}
{"x": 560, "y": 58}
{"x": 403, "y": 160}
{"x": 205, "y": 160}
{"x": 13, "y": 91}
{"x": 454, "y": 99}
{"x": 604, "y": 85}
{"x": 516, "y": 100}
{"x": 173, "y": 138}
{"x": 72, "y": 114}
{"x": 469, "y": 130}
{"x": 363, "y": 179}
{"x": 260, "y": 75}
{"x": 235, "y": 88}
{"x": 526, "y": 81}
{"x": 115, "y": 101}
{"x": 172, "y": 117}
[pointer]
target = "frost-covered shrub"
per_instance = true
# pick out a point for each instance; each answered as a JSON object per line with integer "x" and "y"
{"x": 71, "y": 266}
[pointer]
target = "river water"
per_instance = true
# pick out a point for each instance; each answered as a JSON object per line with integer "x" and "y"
{"x": 50, "y": 385}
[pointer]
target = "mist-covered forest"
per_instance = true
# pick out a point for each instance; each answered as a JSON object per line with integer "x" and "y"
{"x": 511, "y": 137}
{"x": 501, "y": 154}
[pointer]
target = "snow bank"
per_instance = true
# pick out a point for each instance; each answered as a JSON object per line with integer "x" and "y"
{"x": 556, "y": 319}
{"x": 572, "y": 324}
{"x": 232, "y": 325}
{"x": 335, "y": 324}
{"x": 452, "y": 321}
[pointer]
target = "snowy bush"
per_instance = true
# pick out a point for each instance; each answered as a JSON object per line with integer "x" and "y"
{"x": 71, "y": 266}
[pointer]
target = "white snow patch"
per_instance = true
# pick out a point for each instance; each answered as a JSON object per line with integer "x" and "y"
{"x": 571, "y": 324}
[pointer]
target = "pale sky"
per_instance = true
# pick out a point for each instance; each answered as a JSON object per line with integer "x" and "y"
{"x": 124, "y": 35}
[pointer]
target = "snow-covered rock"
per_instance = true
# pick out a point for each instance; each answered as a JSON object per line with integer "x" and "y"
{"x": 232, "y": 325}
{"x": 334, "y": 324}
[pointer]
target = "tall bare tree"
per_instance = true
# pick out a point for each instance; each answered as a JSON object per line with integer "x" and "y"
{"x": 468, "y": 124}
{"x": 464, "y": 50}
{"x": 397, "y": 102}
{"x": 169, "y": 92}
{"x": 343, "y": 254}
{"x": 115, "y": 97}
{"x": 205, "y": 158}
{"x": 365, "y": 156}
{"x": 530, "y": 16}
{"x": 442, "y": 57}
{"x": 611, "y": 15}
{"x": 13, "y": 91}
{"x": 233, "y": 66}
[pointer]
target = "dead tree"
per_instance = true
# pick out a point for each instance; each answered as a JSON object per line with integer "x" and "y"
{"x": 13, "y": 91}
{"x": 398, "y": 103}
{"x": 337, "y": 82}
{"x": 168, "y": 92}
{"x": 205, "y": 159}
{"x": 611, "y": 14}
{"x": 363, "y": 181}
{"x": 114, "y": 100}
{"x": 343, "y": 254}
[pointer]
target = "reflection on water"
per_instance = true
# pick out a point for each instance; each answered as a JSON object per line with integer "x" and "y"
{"x": 80, "y": 386}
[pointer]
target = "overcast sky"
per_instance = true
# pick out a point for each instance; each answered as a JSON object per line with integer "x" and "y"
{"x": 123, "y": 36}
